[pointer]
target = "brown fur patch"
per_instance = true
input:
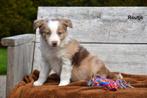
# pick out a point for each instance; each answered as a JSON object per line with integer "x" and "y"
{"x": 81, "y": 54}
{"x": 62, "y": 31}
{"x": 76, "y": 52}
{"x": 38, "y": 23}
{"x": 71, "y": 48}
{"x": 83, "y": 71}
{"x": 44, "y": 30}
{"x": 91, "y": 66}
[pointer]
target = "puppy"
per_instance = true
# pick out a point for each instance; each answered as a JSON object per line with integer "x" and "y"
{"x": 66, "y": 56}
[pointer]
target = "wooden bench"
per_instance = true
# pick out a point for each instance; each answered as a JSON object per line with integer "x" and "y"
{"x": 106, "y": 31}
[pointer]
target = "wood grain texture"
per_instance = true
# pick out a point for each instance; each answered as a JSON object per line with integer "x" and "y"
{"x": 18, "y": 40}
{"x": 2, "y": 86}
{"x": 101, "y": 24}
{"x": 123, "y": 58}
{"x": 19, "y": 63}
{"x": 128, "y": 58}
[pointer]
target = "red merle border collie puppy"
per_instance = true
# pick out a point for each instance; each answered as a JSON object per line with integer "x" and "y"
{"x": 66, "y": 56}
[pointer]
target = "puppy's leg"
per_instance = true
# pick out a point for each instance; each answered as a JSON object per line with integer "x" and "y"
{"x": 65, "y": 72}
{"x": 44, "y": 72}
{"x": 115, "y": 75}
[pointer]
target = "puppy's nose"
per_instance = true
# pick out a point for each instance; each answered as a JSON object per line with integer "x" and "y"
{"x": 54, "y": 43}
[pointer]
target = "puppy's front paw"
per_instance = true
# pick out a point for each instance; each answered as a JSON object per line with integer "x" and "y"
{"x": 37, "y": 83}
{"x": 64, "y": 83}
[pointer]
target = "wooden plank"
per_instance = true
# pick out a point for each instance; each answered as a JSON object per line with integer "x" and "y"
{"x": 19, "y": 63}
{"x": 2, "y": 86}
{"x": 18, "y": 40}
{"x": 118, "y": 57}
{"x": 101, "y": 24}
{"x": 123, "y": 58}
{"x": 37, "y": 57}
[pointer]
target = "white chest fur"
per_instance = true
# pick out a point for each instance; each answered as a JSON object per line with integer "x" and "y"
{"x": 52, "y": 56}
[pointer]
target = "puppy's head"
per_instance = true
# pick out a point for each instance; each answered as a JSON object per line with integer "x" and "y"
{"x": 53, "y": 31}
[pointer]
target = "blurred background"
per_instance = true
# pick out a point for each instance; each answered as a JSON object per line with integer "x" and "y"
{"x": 17, "y": 16}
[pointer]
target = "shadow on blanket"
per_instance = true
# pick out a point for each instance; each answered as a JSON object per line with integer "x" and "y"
{"x": 50, "y": 89}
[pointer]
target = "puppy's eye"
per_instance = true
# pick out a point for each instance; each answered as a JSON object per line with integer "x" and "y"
{"x": 59, "y": 33}
{"x": 48, "y": 33}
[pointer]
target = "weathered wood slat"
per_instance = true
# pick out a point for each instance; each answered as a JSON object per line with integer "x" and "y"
{"x": 37, "y": 57}
{"x": 123, "y": 58}
{"x": 129, "y": 58}
{"x": 20, "y": 59}
{"x": 18, "y": 40}
{"x": 102, "y": 24}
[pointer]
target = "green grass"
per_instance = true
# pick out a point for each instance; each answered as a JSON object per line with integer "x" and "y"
{"x": 3, "y": 61}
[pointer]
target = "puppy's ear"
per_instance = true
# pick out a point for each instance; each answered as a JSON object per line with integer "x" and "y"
{"x": 67, "y": 22}
{"x": 38, "y": 23}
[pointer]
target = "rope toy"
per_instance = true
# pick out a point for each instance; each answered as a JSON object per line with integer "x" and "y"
{"x": 109, "y": 84}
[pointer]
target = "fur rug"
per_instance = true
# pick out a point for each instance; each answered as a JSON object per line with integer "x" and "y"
{"x": 25, "y": 89}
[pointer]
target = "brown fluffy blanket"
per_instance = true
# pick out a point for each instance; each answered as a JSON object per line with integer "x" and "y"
{"x": 50, "y": 89}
